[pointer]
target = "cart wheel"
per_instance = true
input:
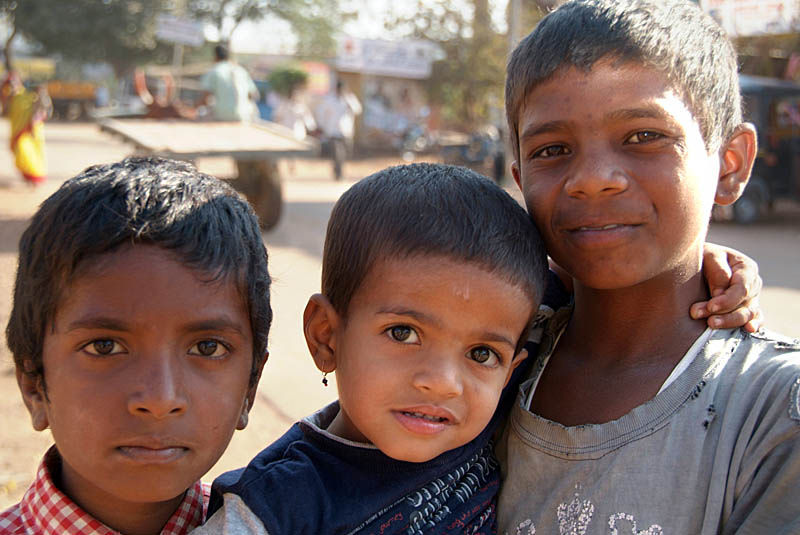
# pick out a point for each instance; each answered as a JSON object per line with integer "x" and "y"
{"x": 261, "y": 184}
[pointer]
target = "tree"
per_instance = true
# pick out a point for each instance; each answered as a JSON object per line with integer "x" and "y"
{"x": 469, "y": 80}
{"x": 313, "y": 21}
{"x": 119, "y": 32}
{"x": 285, "y": 80}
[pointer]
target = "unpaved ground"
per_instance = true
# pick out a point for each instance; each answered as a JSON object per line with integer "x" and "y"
{"x": 290, "y": 387}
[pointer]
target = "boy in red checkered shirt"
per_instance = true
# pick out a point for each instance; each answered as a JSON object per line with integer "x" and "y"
{"x": 139, "y": 330}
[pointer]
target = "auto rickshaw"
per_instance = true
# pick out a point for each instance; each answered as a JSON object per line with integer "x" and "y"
{"x": 774, "y": 107}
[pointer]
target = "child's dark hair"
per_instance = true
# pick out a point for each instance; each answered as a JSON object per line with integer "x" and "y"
{"x": 671, "y": 36}
{"x": 151, "y": 201}
{"x": 429, "y": 209}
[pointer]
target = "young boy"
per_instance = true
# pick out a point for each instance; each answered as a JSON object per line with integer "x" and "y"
{"x": 139, "y": 330}
{"x": 426, "y": 297}
{"x": 431, "y": 275}
{"x": 626, "y": 126}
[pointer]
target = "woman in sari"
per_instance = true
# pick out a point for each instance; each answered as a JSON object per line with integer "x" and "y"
{"x": 26, "y": 111}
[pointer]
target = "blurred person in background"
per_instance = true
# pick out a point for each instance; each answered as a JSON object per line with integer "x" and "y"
{"x": 336, "y": 117}
{"x": 26, "y": 111}
{"x": 233, "y": 90}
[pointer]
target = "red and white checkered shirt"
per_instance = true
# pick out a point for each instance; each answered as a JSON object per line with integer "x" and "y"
{"x": 45, "y": 510}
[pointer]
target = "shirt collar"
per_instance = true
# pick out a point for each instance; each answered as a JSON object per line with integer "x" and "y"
{"x": 48, "y": 511}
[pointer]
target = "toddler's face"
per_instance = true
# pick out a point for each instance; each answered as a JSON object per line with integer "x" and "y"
{"x": 424, "y": 353}
{"x": 147, "y": 370}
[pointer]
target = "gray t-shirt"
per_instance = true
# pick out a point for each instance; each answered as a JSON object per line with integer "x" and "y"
{"x": 716, "y": 452}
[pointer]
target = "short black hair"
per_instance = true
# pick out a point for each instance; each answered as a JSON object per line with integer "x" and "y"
{"x": 221, "y": 52}
{"x": 671, "y": 36}
{"x": 429, "y": 209}
{"x": 203, "y": 221}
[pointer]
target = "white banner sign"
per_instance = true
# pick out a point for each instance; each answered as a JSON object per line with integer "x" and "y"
{"x": 755, "y": 17}
{"x": 401, "y": 59}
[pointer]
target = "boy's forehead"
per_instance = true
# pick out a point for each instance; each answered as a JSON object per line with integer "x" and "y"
{"x": 447, "y": 275}
{"x": 617, "y": 87}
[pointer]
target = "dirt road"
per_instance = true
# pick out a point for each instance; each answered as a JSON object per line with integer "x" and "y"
{"x": 290, "y": 387}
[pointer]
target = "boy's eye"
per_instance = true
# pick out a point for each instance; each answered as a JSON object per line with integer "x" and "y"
{"x": 103, "y": 346}
{"x": 403, "y": 333}
{"x": 483, "y": 355}
{"x": 209, "y": 348}
{"x": 551, "y": 151}
{"x": 643, "y": 137}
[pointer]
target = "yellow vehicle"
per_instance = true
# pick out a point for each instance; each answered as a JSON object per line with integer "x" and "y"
{"x": 72, "y": 100}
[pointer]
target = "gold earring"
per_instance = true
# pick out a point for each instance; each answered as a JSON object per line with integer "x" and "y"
{"x": 324, "y": 376}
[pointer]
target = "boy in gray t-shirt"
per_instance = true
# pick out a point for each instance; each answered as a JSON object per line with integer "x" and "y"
{"x": 626, "y": 125}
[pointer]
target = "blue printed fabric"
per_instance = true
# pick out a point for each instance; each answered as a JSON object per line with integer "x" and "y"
{"x": 312, "y": 482}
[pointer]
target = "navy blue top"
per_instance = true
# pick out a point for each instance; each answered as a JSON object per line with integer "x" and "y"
{"x": 312, "y": 482}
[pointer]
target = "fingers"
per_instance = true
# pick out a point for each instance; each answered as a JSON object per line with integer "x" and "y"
{"x": 734, "y": 284}
{"x": 748, "y": 318}
{"x": 716, "y": 268}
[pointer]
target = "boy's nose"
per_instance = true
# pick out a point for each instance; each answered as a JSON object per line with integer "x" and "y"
{"x": 159, "y": 394}
{"x": 596, "y": 174}
{"x": 439, "y": 377}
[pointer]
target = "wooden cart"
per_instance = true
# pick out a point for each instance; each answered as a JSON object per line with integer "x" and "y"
{"x": 255, "y": 147}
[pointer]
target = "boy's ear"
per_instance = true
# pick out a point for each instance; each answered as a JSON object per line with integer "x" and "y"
{"x": 33, "y": 395}
{"x": 736, "y": 163}
{"x": 250, "y": 399}
{"x": 320, "y": 322}
{"x": 519, "y": 358}
{"x": 515, "y": 173}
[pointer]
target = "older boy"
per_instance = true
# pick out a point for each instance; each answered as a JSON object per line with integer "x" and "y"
{"x": 626, "y": 122}
{"x": 139, "y": 330}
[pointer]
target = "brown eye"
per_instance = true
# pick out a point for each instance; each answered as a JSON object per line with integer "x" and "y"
{"x": 209, "y": 348}
{"x": 551, "y": 151}
{"x": 643, "y": 137}
{"x": 403, "y": 333}
{"x": 103, "y": 347}
{"x": 483, "y": 355}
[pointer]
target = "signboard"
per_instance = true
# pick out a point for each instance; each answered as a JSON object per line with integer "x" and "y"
{"x": 400, "y": 59}
{"x": 755, "y": 17}
{"x": 179, "y": 31}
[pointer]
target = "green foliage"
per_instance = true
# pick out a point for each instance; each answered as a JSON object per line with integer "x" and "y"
{"x": 313, "y": 21}
{"x": 468, "y": 82}
{"x": 285, "y": 80}
{"x": 120, "y": 32}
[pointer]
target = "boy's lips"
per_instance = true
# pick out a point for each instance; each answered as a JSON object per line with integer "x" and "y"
{"x": 152, "y": 450}
{"x": 425, "y": 420}
{"x": 600, "y": 234}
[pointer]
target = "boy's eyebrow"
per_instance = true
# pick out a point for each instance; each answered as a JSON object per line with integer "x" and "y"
{"x": 403, "y": 311}
{"x": 97, "y": 322}
{"x": 496, "y": 337}
{"x": 544, "y": 128}
{"x": 642, "y": 112}
{"x": 220, "y": 323}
